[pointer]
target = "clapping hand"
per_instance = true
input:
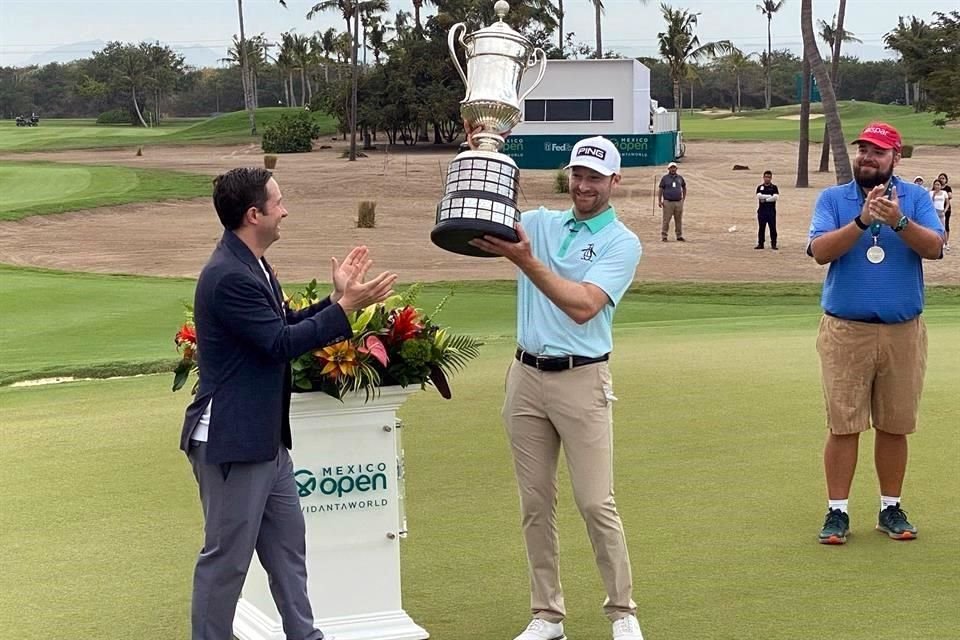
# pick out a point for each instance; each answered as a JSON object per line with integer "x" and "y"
{"x": 885, "y": 210}
{"x": 349, "y": 280}
{"x": 357, "y": 258}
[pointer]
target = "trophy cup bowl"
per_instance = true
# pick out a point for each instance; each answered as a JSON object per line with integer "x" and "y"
{"x": 480, "y": 193}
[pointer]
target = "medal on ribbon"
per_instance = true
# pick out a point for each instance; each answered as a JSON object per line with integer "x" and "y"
{"x": 875, "y": 254}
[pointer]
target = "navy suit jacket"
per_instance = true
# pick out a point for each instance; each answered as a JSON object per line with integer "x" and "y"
{"x": 246, "y": 337}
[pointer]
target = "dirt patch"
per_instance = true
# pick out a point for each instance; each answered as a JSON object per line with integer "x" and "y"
{"x": 322, "y": 191}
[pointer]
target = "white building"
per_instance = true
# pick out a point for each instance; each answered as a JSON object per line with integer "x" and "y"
{"x": 589, "y": 97}
{"x": 579, "y": 98}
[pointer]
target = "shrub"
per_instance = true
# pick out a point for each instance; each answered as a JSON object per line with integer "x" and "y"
{"x": 367, "y": 215}
{"x": 292, "y": 133}
{"x": 115, "y": 116}
{"x": 561, "y": 181}
{"x": 906, "y": 151}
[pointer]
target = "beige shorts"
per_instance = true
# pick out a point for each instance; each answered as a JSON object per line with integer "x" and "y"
{"x": 872, "y": 374}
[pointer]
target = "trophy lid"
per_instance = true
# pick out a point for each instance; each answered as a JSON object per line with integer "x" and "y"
{"x": 500, "y": 29}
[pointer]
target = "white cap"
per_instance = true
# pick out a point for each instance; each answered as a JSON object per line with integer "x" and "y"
{"x": 596, "y": 153}
{"x": 672, "y": 164}
{"x": 918, "y": 178}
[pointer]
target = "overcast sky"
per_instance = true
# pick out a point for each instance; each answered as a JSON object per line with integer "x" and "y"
{"x": 29, "y": 28}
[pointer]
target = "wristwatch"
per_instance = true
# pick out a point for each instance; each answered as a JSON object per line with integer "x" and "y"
{"x": 901, "y": 224}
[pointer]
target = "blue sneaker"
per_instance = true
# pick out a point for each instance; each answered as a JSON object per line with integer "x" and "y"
{"x": 893, "y": 522}
{"x": 836, "y": 527}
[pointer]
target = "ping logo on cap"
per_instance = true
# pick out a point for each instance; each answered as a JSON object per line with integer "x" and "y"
{"x": 596, "y": 152}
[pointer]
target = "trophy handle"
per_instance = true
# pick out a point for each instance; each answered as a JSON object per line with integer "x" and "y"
{"x": 538, "y": 52}
{"x": 451, "y": 42}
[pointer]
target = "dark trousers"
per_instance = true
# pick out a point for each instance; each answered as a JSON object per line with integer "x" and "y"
{"x": 249, "y": 507}
{"x": 764, "y": 219}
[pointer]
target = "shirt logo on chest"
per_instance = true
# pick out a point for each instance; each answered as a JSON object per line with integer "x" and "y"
{"x": 588, "y": 254}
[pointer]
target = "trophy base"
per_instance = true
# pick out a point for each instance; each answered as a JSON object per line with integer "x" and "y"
{"x": 455, "y": 235}
{"x": 480, "y": 198}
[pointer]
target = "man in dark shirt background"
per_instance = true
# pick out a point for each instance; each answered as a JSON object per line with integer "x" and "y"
{"x": 767, "y": 195}
{"x": 671, "y": 195}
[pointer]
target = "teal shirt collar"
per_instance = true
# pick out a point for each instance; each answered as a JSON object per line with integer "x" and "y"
{"x": 596, "y": 223}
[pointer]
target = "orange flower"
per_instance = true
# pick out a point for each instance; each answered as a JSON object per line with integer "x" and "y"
{"x": 340, "y": 360}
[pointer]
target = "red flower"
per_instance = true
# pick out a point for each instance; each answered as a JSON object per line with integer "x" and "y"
{"x": 404, "y": 325}
{"x": 187, "y": 333}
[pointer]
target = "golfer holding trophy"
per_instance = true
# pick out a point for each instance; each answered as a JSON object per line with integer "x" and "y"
{"x": 480, "y": 197}
{"x": 573, "y": 267}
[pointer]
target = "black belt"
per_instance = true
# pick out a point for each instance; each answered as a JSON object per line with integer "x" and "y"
{"x": 868, "y": 321}
{"x": 557, "y": 363}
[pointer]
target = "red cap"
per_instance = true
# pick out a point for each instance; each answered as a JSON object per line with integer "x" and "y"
{"x": 881, "y": 134}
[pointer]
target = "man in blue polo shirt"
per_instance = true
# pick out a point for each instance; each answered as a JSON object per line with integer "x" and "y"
{"x": 574, "y": 267}
{"x": 874, "y": 233}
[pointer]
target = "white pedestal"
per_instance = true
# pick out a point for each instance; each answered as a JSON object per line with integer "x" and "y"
{"x": 349, "y": 469}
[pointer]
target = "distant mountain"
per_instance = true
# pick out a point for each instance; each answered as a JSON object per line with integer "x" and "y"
{"x": 66, "y": 52}
{"x": 195, "y": 55}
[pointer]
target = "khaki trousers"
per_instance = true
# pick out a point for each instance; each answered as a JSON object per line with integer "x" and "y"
{"x": 672, "y": 209}
{"x": 542, "y": 410}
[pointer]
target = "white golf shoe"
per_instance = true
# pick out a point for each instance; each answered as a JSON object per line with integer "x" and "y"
{"x": 539, "y": 629}
{"x": 627, "y": 629}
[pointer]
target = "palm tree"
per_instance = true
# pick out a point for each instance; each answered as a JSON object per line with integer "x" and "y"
{"x": 417, "y": 6}
{"x": 300, "y": 53}
{"x": 254, "y": 51}
{"x": 368, "y": 10}
{"x": 692, "y": 78}
{"x": 286, "y": 63}
{"x": 736, "y": 61}
{"x": 345, "y": 7}
{"x": 560, "y": 26}
{"x": 828, "y": 97}
{"x": 377, "y": 37}
{"x": 833, "y": 35}
{"x": 680, "y": 46}
{"x": 598, "y": 13}
{"x": 803, "y": 157}
{"x": 913, "y": 42}
{"x": 351, "y": 10}
{"x": 249, "y": 99}
{"x": 768, "y": 8}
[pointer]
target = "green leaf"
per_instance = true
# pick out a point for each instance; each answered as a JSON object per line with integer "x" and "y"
{"x": 181, "y": 373}
{"x": 363, "y": 319}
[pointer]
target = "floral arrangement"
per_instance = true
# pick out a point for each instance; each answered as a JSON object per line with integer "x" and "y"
{"x": 393, "y": 343}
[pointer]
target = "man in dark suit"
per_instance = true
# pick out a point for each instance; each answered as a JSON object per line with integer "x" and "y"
{"x": 233, "y": 429}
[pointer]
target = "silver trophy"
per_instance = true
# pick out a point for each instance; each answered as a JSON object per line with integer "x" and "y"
{"x": 480, "y": 197}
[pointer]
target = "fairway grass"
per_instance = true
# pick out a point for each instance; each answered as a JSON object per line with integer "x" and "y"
{"x": 761, "y": 125}
{"x": 34, "y": 188}
{"x": 719, "y": 429}
{"x": 71, "y": 324}
{"x": 229, "y": 128}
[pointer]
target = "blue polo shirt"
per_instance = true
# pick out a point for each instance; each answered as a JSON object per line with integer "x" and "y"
{"x": 601, "y": 251}
{"x": 855, "y": 288}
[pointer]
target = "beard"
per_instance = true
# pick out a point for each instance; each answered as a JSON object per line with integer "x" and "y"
{"x": 876, "y": 176}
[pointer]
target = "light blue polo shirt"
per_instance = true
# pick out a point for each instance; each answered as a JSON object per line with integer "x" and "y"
{"x": 601, "y": 251}
{"x": 855, "y": 288}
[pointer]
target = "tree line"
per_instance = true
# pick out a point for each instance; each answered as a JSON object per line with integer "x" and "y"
{"x": 406, "y": 84}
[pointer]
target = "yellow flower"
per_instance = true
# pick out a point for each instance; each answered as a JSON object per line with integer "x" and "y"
{"x": 340, "y": 360}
